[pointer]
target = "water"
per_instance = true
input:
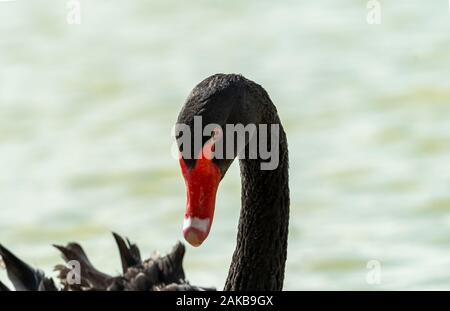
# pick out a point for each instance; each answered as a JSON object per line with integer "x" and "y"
{"x": 86, "y": 113}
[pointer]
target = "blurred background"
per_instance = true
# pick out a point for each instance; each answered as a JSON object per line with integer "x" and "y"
{"x": 86, "y": 113}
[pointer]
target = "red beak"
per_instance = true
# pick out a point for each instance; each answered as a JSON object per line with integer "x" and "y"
{"x": 202, "y": 182}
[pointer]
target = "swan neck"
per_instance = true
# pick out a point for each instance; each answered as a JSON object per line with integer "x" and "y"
{"x": 259, "y": 258}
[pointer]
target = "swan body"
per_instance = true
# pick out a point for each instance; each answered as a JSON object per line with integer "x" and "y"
{"x": 157, "y": 273}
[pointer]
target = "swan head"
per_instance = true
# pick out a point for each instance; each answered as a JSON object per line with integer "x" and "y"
{"x": 205, "y": 151}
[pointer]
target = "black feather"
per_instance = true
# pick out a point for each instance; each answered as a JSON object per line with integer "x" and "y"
{"x": 23, "y": 276}
{"x": 3, "y": 287}
{"x": 130, "y": 255}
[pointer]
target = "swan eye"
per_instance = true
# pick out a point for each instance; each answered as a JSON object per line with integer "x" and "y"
{"x": 208, "y": 150}
{"x": 210, "y": 145}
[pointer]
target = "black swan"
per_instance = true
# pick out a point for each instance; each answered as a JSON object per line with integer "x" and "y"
{"x": 258, "y": 262}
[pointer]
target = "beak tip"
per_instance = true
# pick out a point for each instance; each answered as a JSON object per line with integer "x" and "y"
{"x": 193, "y": 237}
{"x": 196, "y": 230}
